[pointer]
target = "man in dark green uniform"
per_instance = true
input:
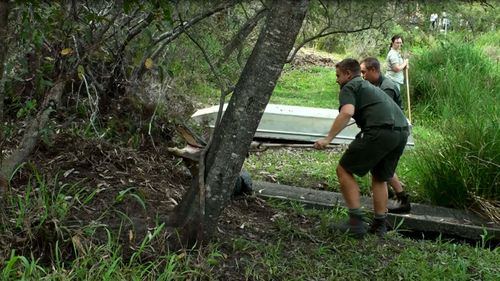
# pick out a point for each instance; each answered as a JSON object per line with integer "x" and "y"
{"x": 370, "y": 70}
{"x": 377, "y": 148}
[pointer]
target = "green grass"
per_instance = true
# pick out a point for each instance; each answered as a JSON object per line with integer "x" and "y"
{"x": 99, "y": 262}
{"x": 309, "y": 86}
{"x": 307, "y": 167}
{"x": 341, "y": 259}
{"x": 307, "y": 250}
{"x": 296, "y": 244}
{"x": 302, "y": 86}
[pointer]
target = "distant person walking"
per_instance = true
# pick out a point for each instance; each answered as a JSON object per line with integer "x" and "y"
{"x": 395, "y": 62}
{"x": 376, "y": 149}
{"x": 433, "y": 20}
{"x": 445, "y": 23}
{"x": 370, "y": 70}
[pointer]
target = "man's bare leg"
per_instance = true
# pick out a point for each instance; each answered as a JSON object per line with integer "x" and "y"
{"x": 349, "y": 188}
{"x": 404, "y": 205}
{"x": 396, "y": 184}
{"x": 379, "y": 189}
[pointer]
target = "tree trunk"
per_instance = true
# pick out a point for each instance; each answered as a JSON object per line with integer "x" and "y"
{"x": 4, "y": 21}
{"x": 232, "y": 138}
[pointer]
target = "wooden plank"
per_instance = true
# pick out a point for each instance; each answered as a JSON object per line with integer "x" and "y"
{"x": 422, "y": 218}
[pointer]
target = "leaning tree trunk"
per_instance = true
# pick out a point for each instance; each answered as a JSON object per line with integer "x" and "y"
{"x": 4, "y": 21}
{"x": 232, "y": 137}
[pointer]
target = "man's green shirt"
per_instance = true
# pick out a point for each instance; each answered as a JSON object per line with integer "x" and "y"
{"x": 390, "y": 88}
{"x": 372, "y": 106}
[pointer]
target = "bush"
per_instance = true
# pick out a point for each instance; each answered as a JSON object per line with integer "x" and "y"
{"x": 456, "y": 87}
{"x": 463, "y": 165}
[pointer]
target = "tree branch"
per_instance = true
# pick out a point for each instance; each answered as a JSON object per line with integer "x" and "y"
{"x": 242, "y": 34}
{"x": 167, "y": 37}
{"x": 136, "y": 30}
{"x": 324, "y": 33}
{"x": 193, "y": 21}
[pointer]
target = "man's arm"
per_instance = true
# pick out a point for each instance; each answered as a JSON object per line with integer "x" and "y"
{"x": 345, "y": 114}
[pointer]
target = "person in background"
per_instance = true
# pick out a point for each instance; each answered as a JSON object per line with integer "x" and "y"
{"x": 433, "y": 20}
{"x": 370, "y": 71}
{"x": 395, "y": 62}
{"x": 445, "y": 22}
{"x": 377, "y": 148}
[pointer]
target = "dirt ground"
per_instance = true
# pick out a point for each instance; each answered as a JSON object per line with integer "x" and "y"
{"x": 305, "y": 58}
{"x": 112, "y": 173}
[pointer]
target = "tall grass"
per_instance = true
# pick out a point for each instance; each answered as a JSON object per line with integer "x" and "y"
{"x": 457, "y": 89}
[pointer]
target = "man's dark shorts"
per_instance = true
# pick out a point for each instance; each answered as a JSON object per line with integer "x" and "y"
{"x": 376, "y": 150}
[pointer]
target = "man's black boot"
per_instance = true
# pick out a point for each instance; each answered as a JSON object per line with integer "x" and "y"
{"x": 378, "y": 226}
{"x": 354, "y": 227}
{"x": 403, "y": 204}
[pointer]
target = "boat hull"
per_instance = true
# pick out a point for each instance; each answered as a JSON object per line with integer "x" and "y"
{"x": 293, "y": 123}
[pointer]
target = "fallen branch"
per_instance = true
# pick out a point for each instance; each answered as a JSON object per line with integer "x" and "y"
{"x": 189, "y": 152}
{"x": 32, "y": 134}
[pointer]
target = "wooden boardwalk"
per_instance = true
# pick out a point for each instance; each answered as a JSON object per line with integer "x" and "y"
{"x": 423, "y": 218}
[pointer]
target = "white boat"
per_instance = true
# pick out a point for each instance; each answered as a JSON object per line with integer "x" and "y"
{"x": 292, "y": 123}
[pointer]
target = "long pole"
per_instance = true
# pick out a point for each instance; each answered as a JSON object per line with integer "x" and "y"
{"x": 408, "y": 93}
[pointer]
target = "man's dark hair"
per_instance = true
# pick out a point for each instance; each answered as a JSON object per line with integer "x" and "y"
{"x": 371, "y": 63}
{"x": 351, "y": 65}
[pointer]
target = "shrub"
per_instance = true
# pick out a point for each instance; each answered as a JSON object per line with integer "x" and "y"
{"x": 456, "y": 87}
{"x": 463, "y": 165}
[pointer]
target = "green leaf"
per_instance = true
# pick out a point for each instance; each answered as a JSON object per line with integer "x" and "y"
{"x": 81, "y": 72}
